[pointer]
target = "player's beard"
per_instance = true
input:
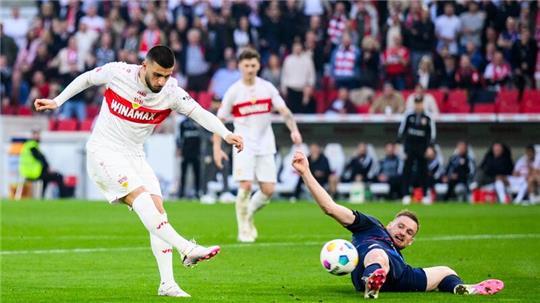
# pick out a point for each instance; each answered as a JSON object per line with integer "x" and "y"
{"x": 148, "y": 83}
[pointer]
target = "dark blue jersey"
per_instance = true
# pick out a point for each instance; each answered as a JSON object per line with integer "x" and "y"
{"x": 369, "y": 233}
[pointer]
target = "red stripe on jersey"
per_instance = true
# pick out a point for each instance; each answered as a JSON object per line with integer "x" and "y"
{"x": 124, "y": 109}
{"x": 249, "y": 108}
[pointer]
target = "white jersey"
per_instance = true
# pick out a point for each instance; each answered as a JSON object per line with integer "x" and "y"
{"x": 130, "y": 111}
{"x": 251, "y": 109}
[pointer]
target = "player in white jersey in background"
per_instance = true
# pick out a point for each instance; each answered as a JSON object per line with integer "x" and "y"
{"x": 250, "y": 102}
{"x": 137, "y": 98}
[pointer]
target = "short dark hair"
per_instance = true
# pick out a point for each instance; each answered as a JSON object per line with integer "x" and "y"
{"x": 249, "y": 53}
{"x": 411, "y": 215}
{"x": 530, "y": 147}
{"x": 161, "y": 55}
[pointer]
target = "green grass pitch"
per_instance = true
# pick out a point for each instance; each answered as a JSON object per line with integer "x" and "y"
{"x": 75, "y": 251}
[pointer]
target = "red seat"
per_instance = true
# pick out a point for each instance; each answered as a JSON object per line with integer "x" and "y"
{"x": 205, "y": 99}
{"x": 507, "y": 97}
{"x": 92, "y": 111}
{"x": 363, "y": 109}
{"x": 24, "y": 111}
{"x": 457, "y": 108}
{"x": 511, "y": 108}
{"x": 457, "y": 96}
{"x": 52, "y": 124}
{"x": 439, "y": 97}
{"x": 484, "y": 108}
{"x": 86, "y": 125}
{"x": 67, "y": 125}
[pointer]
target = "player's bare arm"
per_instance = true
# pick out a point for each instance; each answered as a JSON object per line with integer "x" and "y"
{"x": 287, "y": 115}
{"x": 340, "y": 213}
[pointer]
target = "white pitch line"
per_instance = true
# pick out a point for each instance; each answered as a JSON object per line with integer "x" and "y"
{"x": 267, "y": 244}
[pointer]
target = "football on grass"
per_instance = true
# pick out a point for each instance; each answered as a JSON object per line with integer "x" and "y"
{"x": 339, "y": 257}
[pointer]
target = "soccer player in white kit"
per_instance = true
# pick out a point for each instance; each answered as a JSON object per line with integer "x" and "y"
{"x": 250, "y": 102}
{"x": 137, "y": 98}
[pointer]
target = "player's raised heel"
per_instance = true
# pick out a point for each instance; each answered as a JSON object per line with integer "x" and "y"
{"x": 200, "y": 253}
{"x": 374, "y": 283}
{"x": 172, "y": 290}
{"x": 487, "y": 287}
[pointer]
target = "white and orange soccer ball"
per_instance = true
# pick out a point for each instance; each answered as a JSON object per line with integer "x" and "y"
{"x": 339, "y": 257}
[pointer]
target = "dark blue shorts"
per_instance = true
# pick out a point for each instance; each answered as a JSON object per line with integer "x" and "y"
{"x": 402, "y": 277}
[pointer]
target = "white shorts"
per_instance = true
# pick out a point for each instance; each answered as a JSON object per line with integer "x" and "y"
{"x": 117, "y": 174}
{"x": 250, "y": 167}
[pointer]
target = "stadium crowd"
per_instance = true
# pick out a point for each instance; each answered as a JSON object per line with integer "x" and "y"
{"x": 325, "y": 56}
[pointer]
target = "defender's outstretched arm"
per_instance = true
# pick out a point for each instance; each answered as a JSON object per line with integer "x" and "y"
{"x": 340, "y": 213}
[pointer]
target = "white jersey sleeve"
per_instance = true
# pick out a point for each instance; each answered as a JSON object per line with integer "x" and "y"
{"x": 277, "y": 100}
{"x": 225, "y": 110}
{"x": 98, "y": 76}
{"x": 183, "y": 103}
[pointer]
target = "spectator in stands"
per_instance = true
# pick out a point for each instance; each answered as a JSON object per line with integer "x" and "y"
{"x": 85, "y": 39}
{"x": 396, "y": 62}
{"x": 197, "y": 66}
{"x": 118, "y": 25}
{"x": 498, "y": 72}
{"x": 342, "y": 105}
{"x": 8, "y": 47}
{"x": 151, "y": 36}
{"x": 5, "y": 84}
{"x": 472, "y": 24}
{"x": 17, "y": 27}
{"x": 34, "y": 166}
{"x": 223, "y": 78}
{"x": 525, "y": 175}
{"x": 390, "y": 102}
{"x": 459, "y": 172}
{"x": 426, "y": 76}
{"x": 298, "y": 72}
{"x": 359, "y": 167}
{"x": 421, "y": 39}
{"x": 447, "y": 28}
{"x": 508, "y": 37}
{"x": 272, "y": 72}
{"x": 244, "y": 35}
{"x": 434, "y": 169}
{"x": 467, "y": 76}
{"x": 475, "y": 56}
{"x": 105, "y": 52}
{"x": 40, "y": 87}
{"x": 524, "y": 55}
{"x": 370, "y": 63}
{"x": 345, "y": 63}
{"x": 319, "y": 166}
{"x": 393, "y": 29}
{"x": 314, "y": 8}
{"x": 496, "y": 166}
{"x": 430, "y": 105}
{"x": 315, "y": 50}
{"x": 417, "y": 132}
{"x": 337, "y": 24}
{"x": 365, "y": 18}
{"x": 188, "y": 146}
{"x": 130, "y": 42}
{"x": 390, "y": 168}
{"x": 92, "y": 19}
{"x": 272, "y": 30}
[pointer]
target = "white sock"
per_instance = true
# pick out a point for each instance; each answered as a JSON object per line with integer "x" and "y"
{"x": 163, "y": 253}
{"x": 521, "y": 192}
{"x": 257, "y": 202}
{"x": 242, "y": 199}
{"x": 157, "y": 223}
{"x": 501, "y": 191}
